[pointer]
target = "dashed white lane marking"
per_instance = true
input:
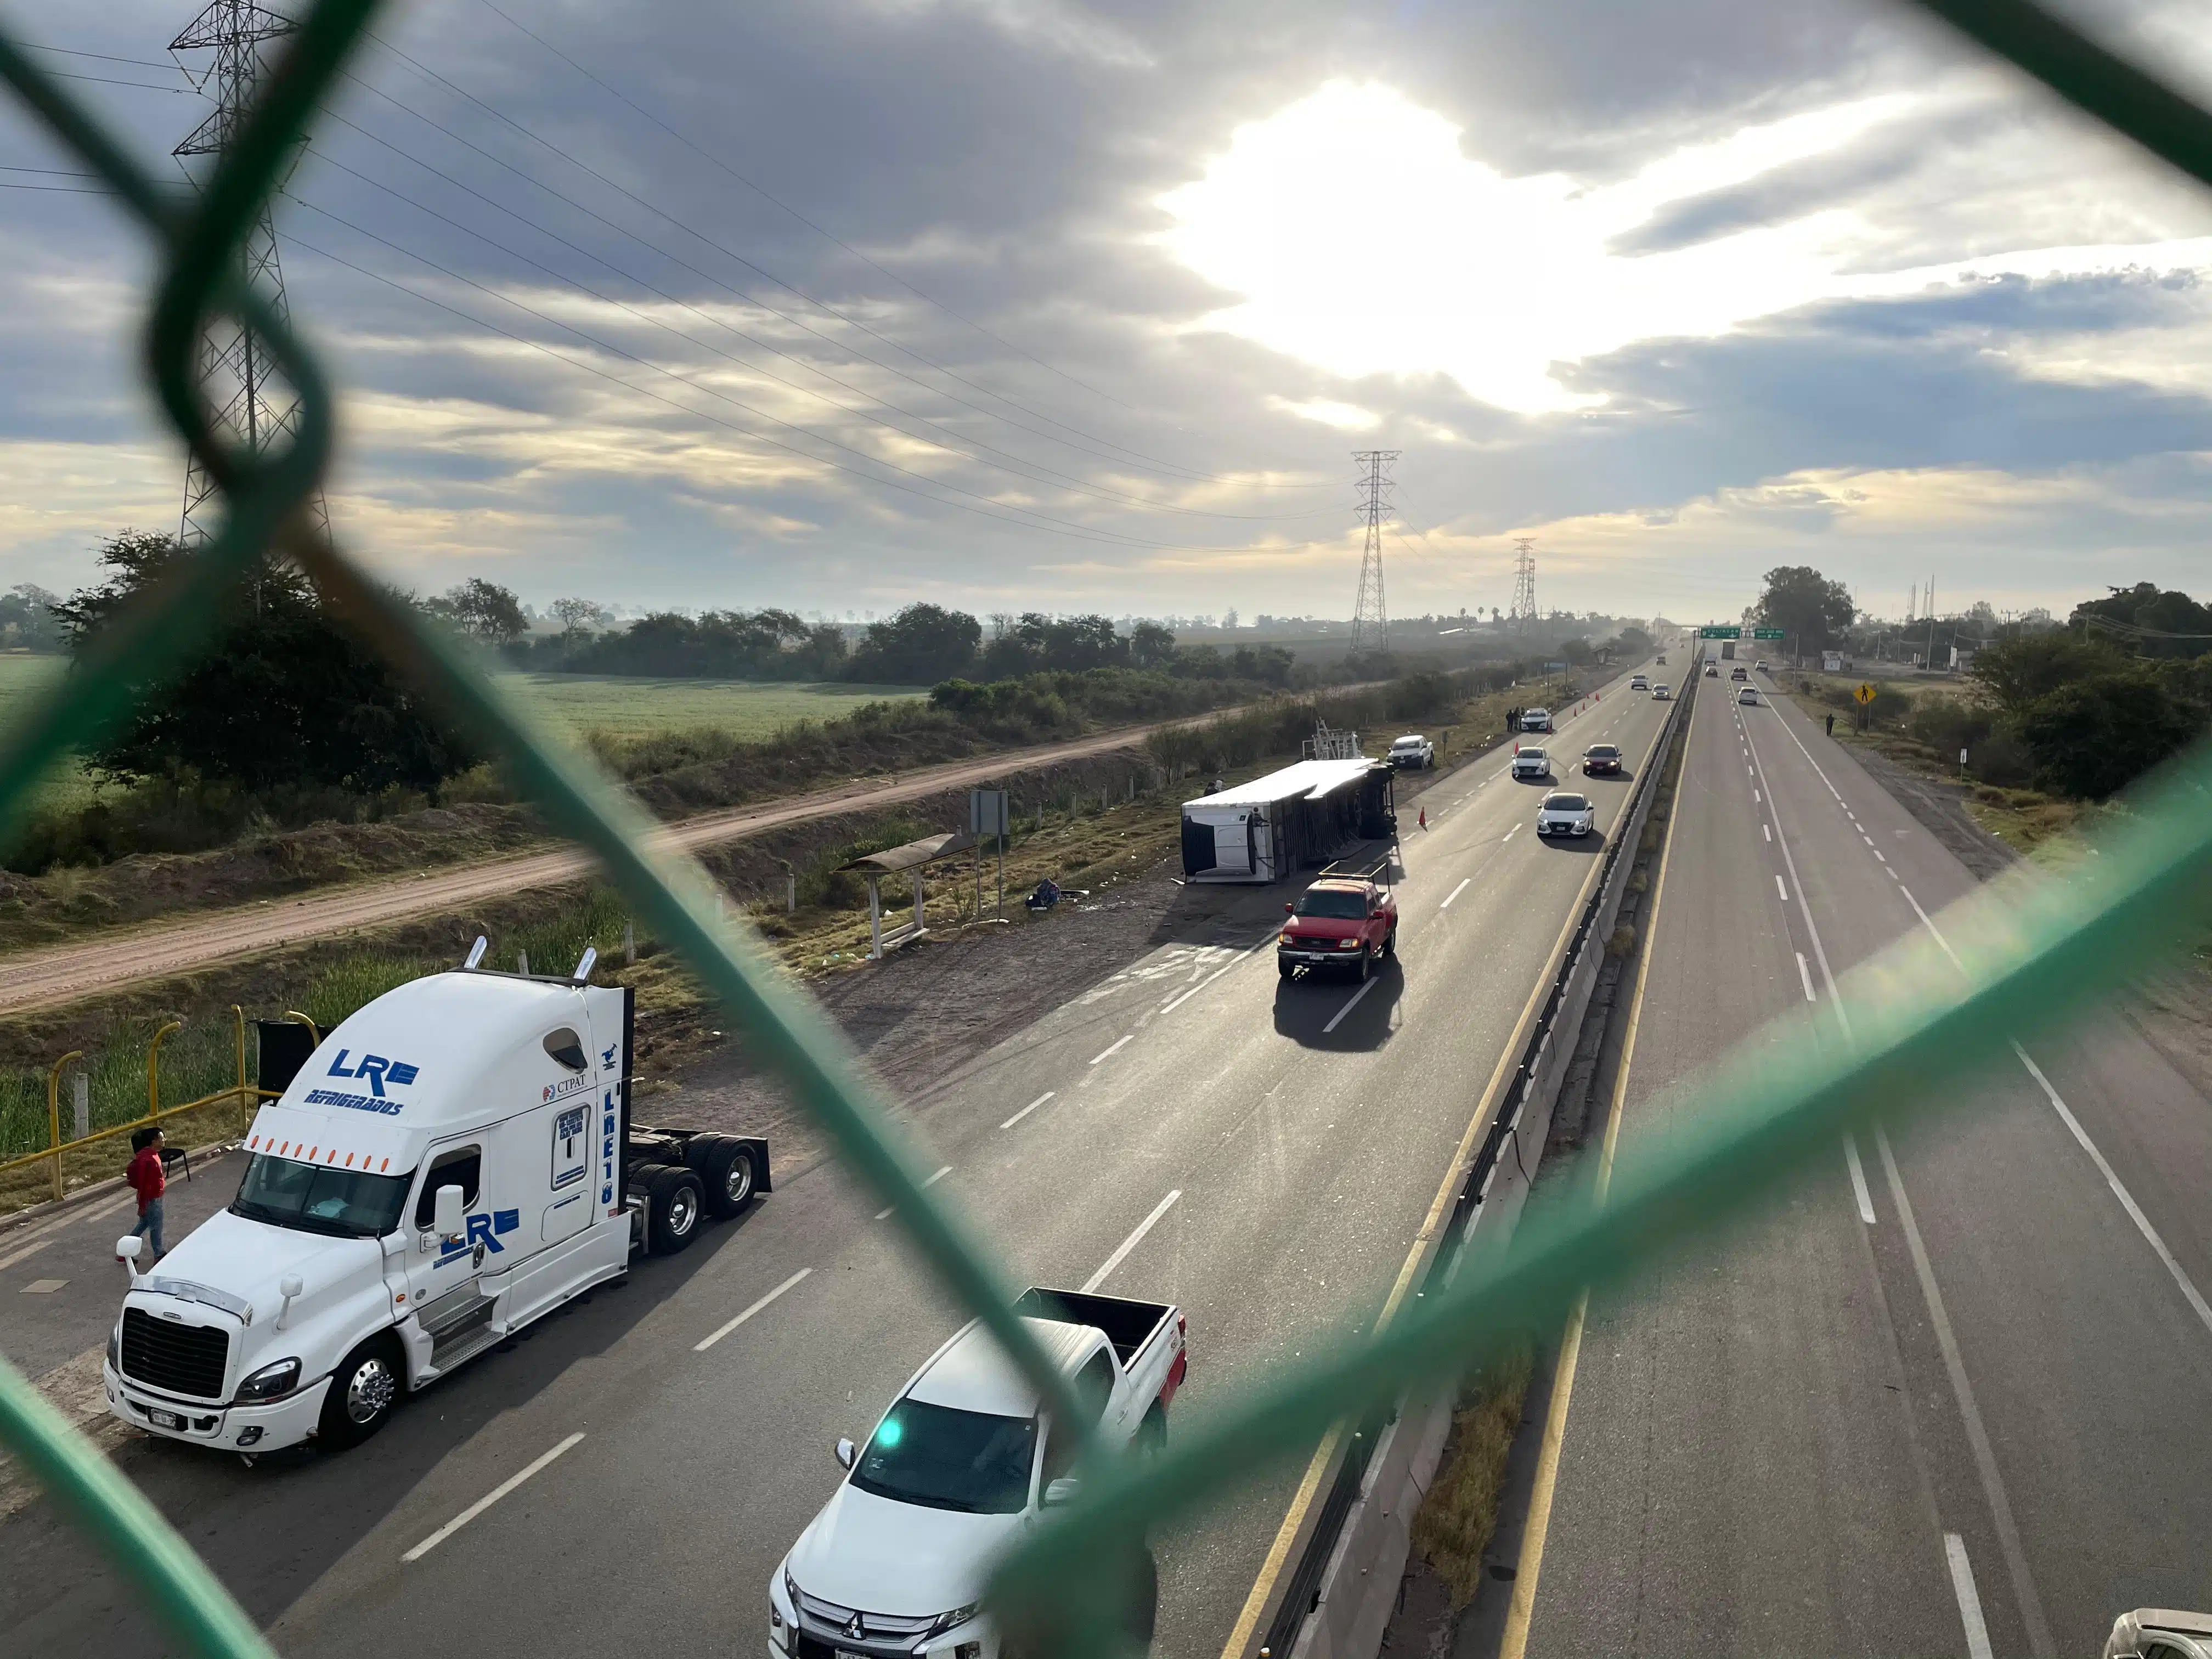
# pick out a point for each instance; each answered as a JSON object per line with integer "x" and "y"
{"x": 1805, "y": 974}
{"x": 1446, "y": 905}
{"x": 884, "y": 1214}
{"x": 1970, "y": 1601}
{"x": 1858, "y": 1178}
{"x": 1877, "y": 854}
{"x": 1348, "y": 1007}
{"x": 487, "y": 1501}
{"x": 1754, "y": 798}
{"x": 1121, "y": 1251}
{"x": 1111, "y": 1048}
{"x": 2189, "y": 1292}
{"x": 1027, "y": 1110}
{"x": 702, "y": 1347}
{"x": 1970, "y": 1412}
{"x": 1782, "y": 889}
{"x": 1767, "y": 830}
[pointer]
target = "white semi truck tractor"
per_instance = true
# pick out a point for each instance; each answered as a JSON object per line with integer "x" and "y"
{"x": 454, "y": 1161}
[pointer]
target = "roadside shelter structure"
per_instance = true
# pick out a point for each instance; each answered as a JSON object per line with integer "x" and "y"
{"x": 1285, "y": 822}
{"x": 909, "y": 859}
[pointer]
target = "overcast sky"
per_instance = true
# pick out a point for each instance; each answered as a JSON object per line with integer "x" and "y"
{"x": 1034, "y": 304}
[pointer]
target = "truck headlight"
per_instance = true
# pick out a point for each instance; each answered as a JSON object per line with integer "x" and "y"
{"x": 270, "y": 1381}
{"x": 115, "y": 1349}
{"x": 952, "y": 1621}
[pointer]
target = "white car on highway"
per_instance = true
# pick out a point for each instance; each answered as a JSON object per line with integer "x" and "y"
{"x": 1531, "y": 762}
{"x": 959, "y": 1470}
{"x": 1639, "y": 682}
{"x": 1662, "y": 692}
{"x": 1535, "y": 720}
{"x": 1565, "y": 813}
{"x": 1747, "y": 695}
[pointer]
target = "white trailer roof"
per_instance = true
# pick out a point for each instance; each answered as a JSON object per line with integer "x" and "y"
{"x": 1307, "y": 781}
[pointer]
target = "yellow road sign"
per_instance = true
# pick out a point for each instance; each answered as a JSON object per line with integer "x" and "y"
{"x": 1864, "y": 694}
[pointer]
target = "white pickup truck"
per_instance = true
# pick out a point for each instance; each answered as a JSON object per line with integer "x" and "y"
{"x": 454, "y": 1161}
{"x": 958, "y": 1472}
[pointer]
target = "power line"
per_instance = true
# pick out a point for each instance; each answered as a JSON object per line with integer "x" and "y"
{"x": 1019, "y": 466}
{"x": 1125, "y": 453}
{"x": 778, "y": 202}
{"x": 1033, "y": 520}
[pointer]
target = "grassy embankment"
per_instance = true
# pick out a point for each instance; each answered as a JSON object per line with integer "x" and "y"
{"x": 1920, "y": 727}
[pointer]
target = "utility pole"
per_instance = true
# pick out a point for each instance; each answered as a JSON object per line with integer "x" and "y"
{"x": 1370, "y": 621}
{"x": 253, "y": 406}
{"x": 1523, "y": 614}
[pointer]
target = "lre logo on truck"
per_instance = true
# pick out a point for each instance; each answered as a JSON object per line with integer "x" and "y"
{"x": 481, "y": 1234}
{"x": 375, "y": 1070}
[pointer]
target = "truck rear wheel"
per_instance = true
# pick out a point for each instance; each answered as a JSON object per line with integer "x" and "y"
{"x": 724, "y": 1165}
{"x": 675, "y": 1201}
{"x": 364, "y": 1391}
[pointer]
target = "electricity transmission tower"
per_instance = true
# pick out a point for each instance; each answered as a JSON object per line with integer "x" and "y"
{"x": 1370, "y": 622}
{"x": 1523, "y": 614}
{"x": 253, "y": 406}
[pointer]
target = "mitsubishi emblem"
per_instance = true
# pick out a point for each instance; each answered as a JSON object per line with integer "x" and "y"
{"x": 856, "y": 1628}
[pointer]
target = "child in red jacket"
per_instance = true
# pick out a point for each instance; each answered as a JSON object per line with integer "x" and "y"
{"x": 148, "y": 1180}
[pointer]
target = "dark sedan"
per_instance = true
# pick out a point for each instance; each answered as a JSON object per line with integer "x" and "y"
{"x": 1602, "y": 758}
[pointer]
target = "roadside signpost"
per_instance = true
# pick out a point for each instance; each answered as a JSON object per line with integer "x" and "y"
{"x": 987, "y": 815}
{"x": 1865, "y": 694}
{"x": 1769, "y": 634}
{"x": 1720, "y": 632}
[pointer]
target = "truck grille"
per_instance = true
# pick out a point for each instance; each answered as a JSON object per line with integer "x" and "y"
{"x": 177, "y": 1358}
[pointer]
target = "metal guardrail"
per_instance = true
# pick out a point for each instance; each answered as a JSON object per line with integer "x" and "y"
{"x": 1913, "y": 1028}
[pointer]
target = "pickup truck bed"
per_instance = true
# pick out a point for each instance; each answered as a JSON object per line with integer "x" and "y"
{"x": 1129, "y": 1325}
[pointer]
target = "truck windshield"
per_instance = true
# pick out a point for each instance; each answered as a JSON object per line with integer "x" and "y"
{"x": 947, "y": 1459}
{"x": 1332, "y": 902}
{"x": 317, "y": 1198}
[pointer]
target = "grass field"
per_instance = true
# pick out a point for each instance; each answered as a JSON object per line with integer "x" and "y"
{"x": 23, "y": 675}
{"x": 623, "y": 707}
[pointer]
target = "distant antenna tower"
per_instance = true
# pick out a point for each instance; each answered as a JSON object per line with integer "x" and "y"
{"x": 1524, "y": 582}
{"x": 253, "y": 404}
{"x": 1370, "y": 622}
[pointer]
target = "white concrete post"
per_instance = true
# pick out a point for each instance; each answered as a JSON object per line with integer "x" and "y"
{"x": 522, "y": 962}
{"x": 81, "y": 1097}
{"x": 875, "y": 918}
{"x": 790, "y": 892}
{"x": 629, "y": 941}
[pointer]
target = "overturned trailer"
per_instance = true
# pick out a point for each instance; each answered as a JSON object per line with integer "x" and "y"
{"x": 1287, "y": 821}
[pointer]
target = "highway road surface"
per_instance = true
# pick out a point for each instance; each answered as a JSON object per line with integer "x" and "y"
{"x": 54, "y": 973}
{"x": 1950, "y": 1393}
{"x": 1191, "y": 1129}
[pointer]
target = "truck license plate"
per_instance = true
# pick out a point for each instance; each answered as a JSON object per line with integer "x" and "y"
{"x": 161, "y": 1419}
{"x": 847, "y": 1653}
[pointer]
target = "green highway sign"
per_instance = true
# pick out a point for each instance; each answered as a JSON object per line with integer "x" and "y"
{"x": 1720, "y": 633}
{"x": 1766, "y": 634}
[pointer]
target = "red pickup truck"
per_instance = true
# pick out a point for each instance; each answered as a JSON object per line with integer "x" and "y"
{"x": 1340, "y": 921}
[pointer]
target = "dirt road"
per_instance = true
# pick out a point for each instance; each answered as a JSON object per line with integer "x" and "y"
{"x": 55, "y": 973}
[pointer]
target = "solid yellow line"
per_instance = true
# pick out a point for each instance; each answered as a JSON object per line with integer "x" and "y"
{"x": 1271, "y": 1568}
{"x": 1530, "y": 1567}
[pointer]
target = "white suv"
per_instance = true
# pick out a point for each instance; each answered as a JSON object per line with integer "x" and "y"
{"x": 1413, "y": 753}
{"x": 1532, "y": 763}
{"x": 1535, "y": 720}
{"x": 1639, "y": 682}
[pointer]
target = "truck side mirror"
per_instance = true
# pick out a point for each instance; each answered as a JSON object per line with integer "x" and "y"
{"x": 847, "y": 1452}
{"x": 128, "y": 1248}
{"x": 448, "y": 1213}
{"x": 1288, "y": 908}
{"x": 288, "y": 1287}
{"x": 1064, "y": 1491}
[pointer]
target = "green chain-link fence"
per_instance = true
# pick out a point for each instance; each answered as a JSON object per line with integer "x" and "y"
{"x": 1908, "y": 1026}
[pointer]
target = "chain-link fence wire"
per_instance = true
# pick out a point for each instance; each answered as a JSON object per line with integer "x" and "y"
{"x": 1910, "y": 1027}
